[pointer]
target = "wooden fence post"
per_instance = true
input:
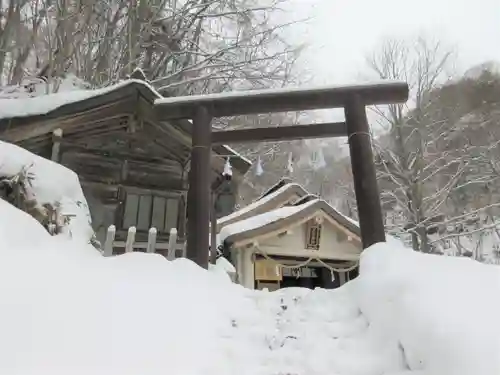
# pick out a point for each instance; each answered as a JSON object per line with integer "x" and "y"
{"x": 151, "y": 240}
{"x": 110, "y": 238}
{"x": 129, "y": 245}
{"x": 172, "y": 244}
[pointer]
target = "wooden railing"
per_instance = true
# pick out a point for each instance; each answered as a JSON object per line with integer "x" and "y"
{"x": 171, "y": 249}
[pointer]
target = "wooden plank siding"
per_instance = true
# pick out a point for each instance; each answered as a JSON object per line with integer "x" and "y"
{"x": 119, "y": 149}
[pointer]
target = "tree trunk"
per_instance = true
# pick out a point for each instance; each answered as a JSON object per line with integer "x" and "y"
{"x": 414, "y": 240}
{"x": 424, "y": 239}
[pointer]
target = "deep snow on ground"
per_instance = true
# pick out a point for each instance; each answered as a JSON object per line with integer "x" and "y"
{"x": 65, "y": 309}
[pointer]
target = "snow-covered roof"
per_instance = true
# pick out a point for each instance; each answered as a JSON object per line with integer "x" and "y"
{"x": 282, "y": 217}
{"x": 258, "y": 206}
{"x": 20, "y": 106}
{"x": 28, "y": 105}
{"x": 258, "y": 221}
{"x": 278, "y": 185}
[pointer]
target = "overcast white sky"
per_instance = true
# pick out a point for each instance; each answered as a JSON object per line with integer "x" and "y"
{"x": 342, "y": 32}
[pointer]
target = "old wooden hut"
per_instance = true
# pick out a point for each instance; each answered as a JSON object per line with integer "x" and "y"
{"x": 133, "y": 167}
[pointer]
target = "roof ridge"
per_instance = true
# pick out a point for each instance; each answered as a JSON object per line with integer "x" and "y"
{"x": 282, "y": 182}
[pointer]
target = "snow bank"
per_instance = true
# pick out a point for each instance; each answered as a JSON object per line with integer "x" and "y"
{"x": 52, "y": 183}
{"x": 15, "y": 224}
{"x": 442, "y": 311}
{"x": 222, "y": 264}
{"x": 67, "y": 310}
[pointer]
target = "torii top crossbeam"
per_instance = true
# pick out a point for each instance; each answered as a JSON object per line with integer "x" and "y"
{"x": 202, "y": 109}
{"x": 281, "y": 100}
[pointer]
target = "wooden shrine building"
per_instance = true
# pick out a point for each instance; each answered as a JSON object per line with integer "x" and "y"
{"x": 290, "y": 238}
{"x": 133, "y": 149}
{"x": 133, "y": 167}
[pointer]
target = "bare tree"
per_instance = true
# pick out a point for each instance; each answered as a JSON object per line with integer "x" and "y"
{"x": 438, "y": 158}
{"x": 182, "y": 46}
{"x": 416, "y": 175}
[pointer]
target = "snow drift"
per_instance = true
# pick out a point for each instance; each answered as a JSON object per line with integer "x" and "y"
{"x": 53, "y": 184}
{"x": 442, "y": 311}
{"x": 65, "y": 309}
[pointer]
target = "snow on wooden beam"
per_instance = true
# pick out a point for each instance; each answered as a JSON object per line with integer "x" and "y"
{"x": 276, "y": 134}
{"x": 281, "y": 100}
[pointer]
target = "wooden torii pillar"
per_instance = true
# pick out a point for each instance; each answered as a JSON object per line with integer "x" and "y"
{"x": 354, "y": 99}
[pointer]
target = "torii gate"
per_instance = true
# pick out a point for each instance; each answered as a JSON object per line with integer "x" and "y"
{"x": 202, "y": 109}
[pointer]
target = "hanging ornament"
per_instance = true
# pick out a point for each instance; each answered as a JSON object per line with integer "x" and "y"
{"x": 333, "y": 275}
{"x": 320, "y": 160}
{"x": 296, "y": 272}
{"x": 258, "y": 168}
{"x": 313, "y": 158}
{"x": 228, "y": 170}
{"x": 317, "y": 159}
{"x": 290, "y": 163}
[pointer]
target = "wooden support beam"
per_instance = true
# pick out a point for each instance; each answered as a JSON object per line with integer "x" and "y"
{"x": 198, "y": 209}
{"x": 46, "y": 125}
{"x": 163, "y": 135}
{"x": 97, "y": 130}
{"x": 364, "y": 175}
{"x": 124, "y": 171}
{"x": 213, "y": 229}
{"x": 132, "y": 155}
{"x": 182, "y": 214}
{"x": 276, "y": 134}
{"x": 280, "y": 100}
{"x": 167, "y": 192}
{"x": 132, "y": 124}
{"x": 56, "y": 144}
{"x": 36, "y": 143}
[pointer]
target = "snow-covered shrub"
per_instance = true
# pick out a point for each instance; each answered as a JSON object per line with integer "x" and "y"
{"x": 16, "y": 190}
{"x": 47, "y": 191}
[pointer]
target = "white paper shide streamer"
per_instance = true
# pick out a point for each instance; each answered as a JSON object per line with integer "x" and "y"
{"x": 228, "y": 169}
{"x": 289, "y": 167}
{"x": 258, "y": 168}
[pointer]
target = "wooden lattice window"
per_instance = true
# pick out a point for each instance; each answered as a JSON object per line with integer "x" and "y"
{"x": 313, "y": 235}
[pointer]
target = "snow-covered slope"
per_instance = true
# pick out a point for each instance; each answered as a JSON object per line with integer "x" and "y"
{"x": 51, "y": 183}
{"x": 476, "y": 71}
{"x": 440, "y": 310}
{"x": 64, "y": 309}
